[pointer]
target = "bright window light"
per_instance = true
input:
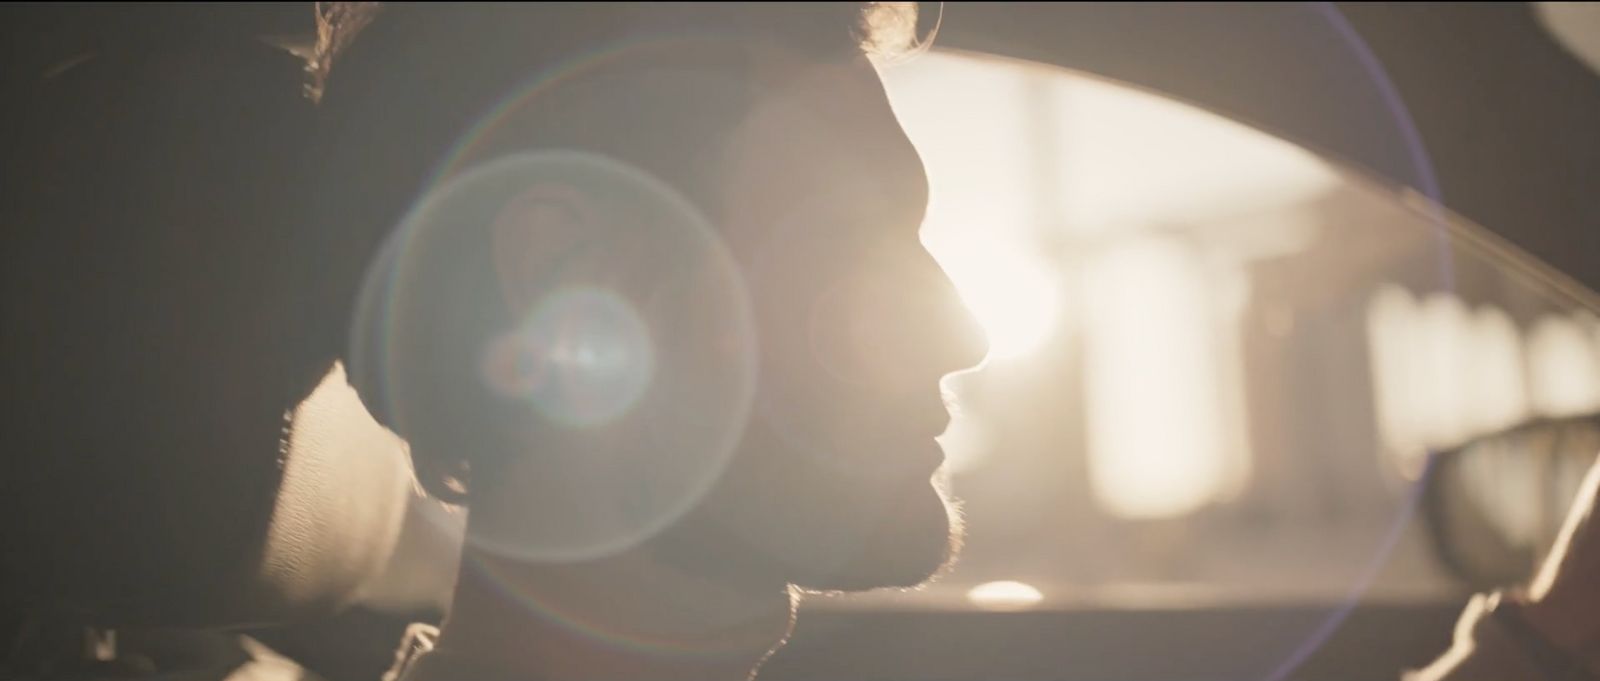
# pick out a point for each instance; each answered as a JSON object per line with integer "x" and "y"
{"x": 1006, "y": 595}
{"x": 1151, "y": 385}
{"x": 1443, "y": 373}
{"x": 1563, "y": 367}
{"x": 1496, "y": 378}
{"x": 1023, "y": 159}
{"x": 1012, "y": 295}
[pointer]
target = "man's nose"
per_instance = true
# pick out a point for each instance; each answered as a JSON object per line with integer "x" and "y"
{"x": 899, "y": 327}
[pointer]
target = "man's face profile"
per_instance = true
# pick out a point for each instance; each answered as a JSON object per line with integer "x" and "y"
{"x": 858, "y": 324}
{"x": 796, "y": 160}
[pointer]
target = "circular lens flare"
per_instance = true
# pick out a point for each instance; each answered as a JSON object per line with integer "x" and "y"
{"x": 582, "y": 358}
{"x": 605, "y": 390}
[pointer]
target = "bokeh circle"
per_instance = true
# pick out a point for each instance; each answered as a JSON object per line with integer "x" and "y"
{"x": 580, "y": 332}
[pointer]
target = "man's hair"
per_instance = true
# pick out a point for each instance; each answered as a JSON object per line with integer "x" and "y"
{"x": 884, "y": 31}
{"x": 881, "y": 29}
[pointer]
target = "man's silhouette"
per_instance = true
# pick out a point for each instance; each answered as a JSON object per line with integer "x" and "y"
{"x": 193, "y": 246}
{"x": 770, "y": 124}
{"x": 640, "y": 284}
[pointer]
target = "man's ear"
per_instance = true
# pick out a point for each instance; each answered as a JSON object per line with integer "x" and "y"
{"x": 536, "y": 236}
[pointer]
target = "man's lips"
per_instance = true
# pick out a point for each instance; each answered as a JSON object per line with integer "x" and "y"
{"x": 934, "y": 459}
{"x": 908, "y": 457}
{"x": 939, "y": 423}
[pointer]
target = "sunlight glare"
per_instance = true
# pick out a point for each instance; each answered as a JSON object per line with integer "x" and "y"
{"x": 1156, "y": 445}
{"x": 1005, "y": 595}
{"x": 1012, "y": 295}
{"x": 1563, "y": 368}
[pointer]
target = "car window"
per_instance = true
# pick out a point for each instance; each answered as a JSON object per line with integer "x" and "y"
{"x": 1219, "y": 358}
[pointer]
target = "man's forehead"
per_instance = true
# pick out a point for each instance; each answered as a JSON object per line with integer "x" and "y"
{"x": 778, "y": 101}
{"x": 776, "y": 123}
{"x": 830, "y": 112}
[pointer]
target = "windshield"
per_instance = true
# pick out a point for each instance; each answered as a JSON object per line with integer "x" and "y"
{"x": 1218, "y": 358}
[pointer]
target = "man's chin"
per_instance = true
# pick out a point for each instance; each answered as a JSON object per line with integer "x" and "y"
{"x": 917, "y": 540}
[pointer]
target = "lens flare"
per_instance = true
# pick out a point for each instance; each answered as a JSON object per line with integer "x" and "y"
{"x": 604, "y": 385}
{"x": 583, "y": 358}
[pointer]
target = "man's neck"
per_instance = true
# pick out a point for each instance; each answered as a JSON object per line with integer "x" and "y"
{"x": 618, "y": 619}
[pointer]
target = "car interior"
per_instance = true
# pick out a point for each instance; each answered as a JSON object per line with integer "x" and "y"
{"x": 1371, "y": 223}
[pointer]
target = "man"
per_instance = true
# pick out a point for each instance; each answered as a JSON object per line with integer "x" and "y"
{"x": 513, "y": 328}
{"x": 768, "y": 122}
{"x": 782, "y": 137}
